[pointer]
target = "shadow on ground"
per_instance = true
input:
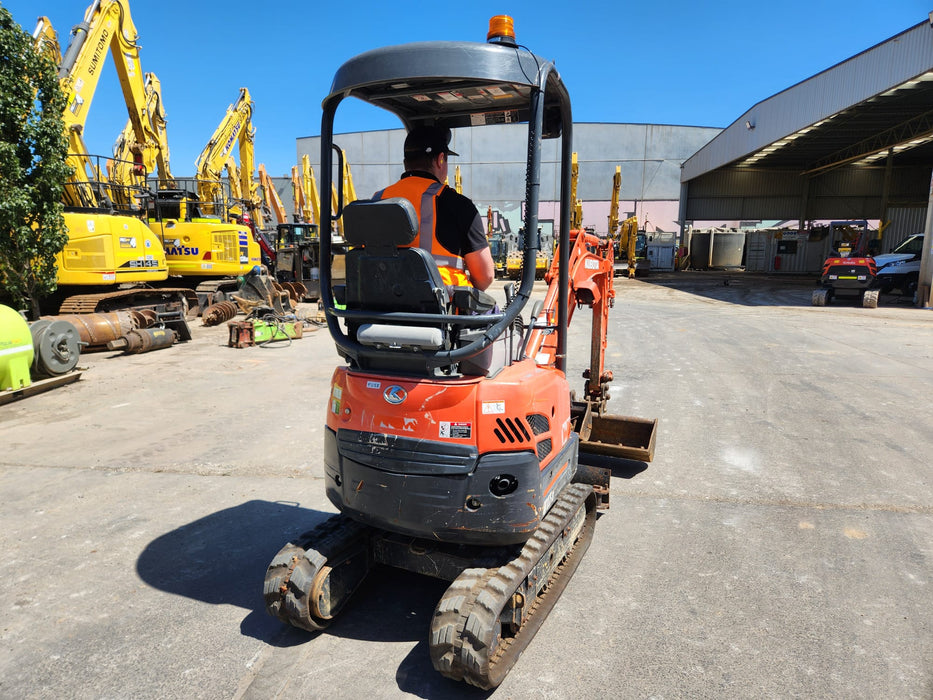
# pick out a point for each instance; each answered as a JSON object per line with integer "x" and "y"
{"x": 221, "y": 559}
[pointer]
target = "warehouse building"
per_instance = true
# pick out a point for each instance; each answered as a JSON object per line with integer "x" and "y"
{"x": 854, "y": 142}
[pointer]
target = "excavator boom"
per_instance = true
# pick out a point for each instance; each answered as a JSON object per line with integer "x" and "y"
{"x": 271, "y": 198}
{"x": 107, "y": 27}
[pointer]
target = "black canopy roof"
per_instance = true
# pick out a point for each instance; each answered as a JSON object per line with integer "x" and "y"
{"x": 453, "y": 84}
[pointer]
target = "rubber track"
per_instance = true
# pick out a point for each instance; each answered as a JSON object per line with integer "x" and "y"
{"x": 88, "y": 303}
{"x": 290, "y": 575}
{"x": 465, "y": 641}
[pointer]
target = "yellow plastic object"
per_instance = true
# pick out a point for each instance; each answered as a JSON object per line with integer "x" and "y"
{"x": 16, "y": 352}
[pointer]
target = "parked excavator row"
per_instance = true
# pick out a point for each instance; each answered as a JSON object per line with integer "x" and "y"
{"x": 453, "y": 445}
{"x": 298, "y": 247}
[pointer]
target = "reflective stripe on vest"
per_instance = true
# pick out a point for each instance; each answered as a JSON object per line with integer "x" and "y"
{"x": 423, "y": 193}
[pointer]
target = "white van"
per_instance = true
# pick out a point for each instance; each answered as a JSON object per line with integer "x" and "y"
{"x": 900, "y": 269}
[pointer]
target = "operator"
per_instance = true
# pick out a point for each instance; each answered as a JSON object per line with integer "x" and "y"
{"x": 450, "y": 227}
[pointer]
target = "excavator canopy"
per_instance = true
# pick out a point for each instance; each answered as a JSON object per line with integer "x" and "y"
{"x": 454, "y": 84}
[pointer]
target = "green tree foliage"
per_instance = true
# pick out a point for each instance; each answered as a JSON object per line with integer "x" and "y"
{"x": 33, "y": 147}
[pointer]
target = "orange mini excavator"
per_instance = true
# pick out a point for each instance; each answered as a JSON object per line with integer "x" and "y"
{"x": 454, "y": 446}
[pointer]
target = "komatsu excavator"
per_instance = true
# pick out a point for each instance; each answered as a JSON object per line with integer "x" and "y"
{"x": 111, "y": 253}
{"x": 453, "y": 444}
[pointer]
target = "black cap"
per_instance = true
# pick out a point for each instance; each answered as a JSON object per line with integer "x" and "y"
{"x": 428, "y": 140}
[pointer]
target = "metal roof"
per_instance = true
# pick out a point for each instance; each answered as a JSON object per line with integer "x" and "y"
{"x": 850, "y": 114}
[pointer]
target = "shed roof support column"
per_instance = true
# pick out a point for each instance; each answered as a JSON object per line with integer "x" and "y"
{"x": 926, "y": 261}
{"x": 804, "y": 201}
{"x": 682, "y": 214}
{"x": 886, "y": 185}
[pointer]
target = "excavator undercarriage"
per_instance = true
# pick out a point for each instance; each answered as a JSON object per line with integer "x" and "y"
{"x": 498, "y": 598}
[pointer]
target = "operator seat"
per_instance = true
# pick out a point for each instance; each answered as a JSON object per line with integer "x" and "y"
{"x": 386, "y": 276}
{"x": 383, "y": 277}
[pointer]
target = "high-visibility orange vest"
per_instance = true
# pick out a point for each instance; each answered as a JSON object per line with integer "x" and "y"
{"x": 423, "y": 193}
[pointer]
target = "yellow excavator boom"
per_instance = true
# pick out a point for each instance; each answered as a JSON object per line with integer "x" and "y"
{"x": 576, "y": 214}
{"x": 298, "y": 197}
{"x": 107, "y": 26}
{"x": 312, "y": 211}
{"x": 127, "y": 151}
{"x": 45, "y": 41}
{"x": 271, "y": 197}
{"x": 213, "y": 159}
{"x": 614, "y": 203}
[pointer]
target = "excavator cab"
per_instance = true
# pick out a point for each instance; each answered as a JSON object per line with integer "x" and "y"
{"x": 453, "y": 446}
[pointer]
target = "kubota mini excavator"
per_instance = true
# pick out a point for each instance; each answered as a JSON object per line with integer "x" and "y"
{"x": 453, "y": 446}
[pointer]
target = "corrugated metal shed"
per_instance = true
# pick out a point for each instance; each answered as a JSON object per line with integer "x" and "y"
{"x": 854, "y": 141}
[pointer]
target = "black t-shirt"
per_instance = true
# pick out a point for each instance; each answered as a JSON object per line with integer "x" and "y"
{"x": 459, "y": 227}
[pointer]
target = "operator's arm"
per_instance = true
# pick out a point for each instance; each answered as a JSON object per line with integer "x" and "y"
{"x": 478, "y": 260}
{"x": 480, "y": 266}
{"x": 460, "y": 229}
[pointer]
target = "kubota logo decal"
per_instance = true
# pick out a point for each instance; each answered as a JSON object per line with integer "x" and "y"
{"x": 394, "y": 394}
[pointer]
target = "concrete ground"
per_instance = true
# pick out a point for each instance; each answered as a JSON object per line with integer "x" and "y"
{"x": 779, "y": 545}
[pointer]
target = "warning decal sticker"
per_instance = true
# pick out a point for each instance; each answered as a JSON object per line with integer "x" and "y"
{"x": 459, "y": 430}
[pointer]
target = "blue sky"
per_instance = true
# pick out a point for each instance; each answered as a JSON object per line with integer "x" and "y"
{"x": 661, "y": 62}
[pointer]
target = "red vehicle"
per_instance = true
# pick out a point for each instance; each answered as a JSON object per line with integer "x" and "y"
{"x": 851, "y": 272}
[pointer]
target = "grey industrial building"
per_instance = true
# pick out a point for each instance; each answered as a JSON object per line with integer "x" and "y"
{"x": 650, "y": 156}
{"x": 854, "y": 142}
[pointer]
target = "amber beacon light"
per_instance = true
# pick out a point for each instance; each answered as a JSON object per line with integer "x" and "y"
{"x": 501, "y": 30}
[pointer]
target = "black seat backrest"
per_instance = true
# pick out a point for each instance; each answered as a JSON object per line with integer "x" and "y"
{"x": 381, "y": 276}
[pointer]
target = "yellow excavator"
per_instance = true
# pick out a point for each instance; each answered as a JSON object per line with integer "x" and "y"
{"x": 296, "y": 244}
{"x": 203, "y": 249}
{"x": 624, "y": 235}
{"x": 111, "y": 252}
{"x": 272, "y": 205}
{"x": 233, "y": 249}
{"x": 307, "y": 203}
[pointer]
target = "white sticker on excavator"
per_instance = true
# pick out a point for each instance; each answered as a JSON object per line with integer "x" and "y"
{"x": 459, "y": 430}
{"x": 493, "y": 407}
{"x": 591, "y": 264}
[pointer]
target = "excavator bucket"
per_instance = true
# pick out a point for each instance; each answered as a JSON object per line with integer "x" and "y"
{"x": 610, "y": 435}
